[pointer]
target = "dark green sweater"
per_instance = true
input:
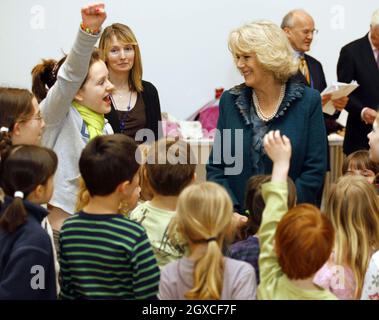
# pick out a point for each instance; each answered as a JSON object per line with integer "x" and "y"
{"x": 299, "y": 118}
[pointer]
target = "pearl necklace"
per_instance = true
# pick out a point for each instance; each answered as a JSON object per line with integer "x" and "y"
{"x": 258, "y": 107}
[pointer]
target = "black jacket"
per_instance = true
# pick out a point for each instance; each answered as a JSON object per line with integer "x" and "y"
{"x": 27, "y": 248}
{"x": 357, "y": 62}
{"x": 153, "y": 111}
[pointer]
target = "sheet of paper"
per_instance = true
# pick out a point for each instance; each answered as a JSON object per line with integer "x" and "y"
{"x": 342, "y": 119}
{"x": 337, "y": 90}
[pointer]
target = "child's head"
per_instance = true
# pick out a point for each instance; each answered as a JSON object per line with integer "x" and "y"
{"x": 254, "y": 203}
{"x": 353, "y": 209}
{"x": 108, "y": 164}
{"x": 204, "y": 215}
{"x": 119, "y": 44}
{"x": 359, "y": 163}
{"x": 20, "y": 117}
{"x": 304, "y": 240}
{"x": 94, "y": 92}
{"x": 373, "y": 142}
{"x": 171, "y": 175}
{"x": 28, "y": 170}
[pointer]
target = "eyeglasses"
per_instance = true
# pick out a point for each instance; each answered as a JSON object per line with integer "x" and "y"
{"x": 307, "y": 32}
{"x": 37, "y": 117}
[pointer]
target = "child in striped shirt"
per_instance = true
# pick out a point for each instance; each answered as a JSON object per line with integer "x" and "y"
{"x": 104, "y": 255}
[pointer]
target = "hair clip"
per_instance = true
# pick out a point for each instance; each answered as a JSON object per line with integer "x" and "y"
{"x": 19, "y": 194}
{"x": 4, "y": 129}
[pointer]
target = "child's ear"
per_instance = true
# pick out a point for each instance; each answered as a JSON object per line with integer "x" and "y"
{"x": 16, "y": 129}
{"x": 123, "y": 188}
{"x": 39, "y": 191}
{"x": 79, "y": 97}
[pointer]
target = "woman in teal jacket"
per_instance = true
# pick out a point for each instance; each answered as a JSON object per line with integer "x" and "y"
{"x": 270, "y": 99}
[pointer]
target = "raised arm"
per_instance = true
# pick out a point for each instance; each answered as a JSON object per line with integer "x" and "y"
{"x": 71, "y": 75}
{"x": 275, "y": 195}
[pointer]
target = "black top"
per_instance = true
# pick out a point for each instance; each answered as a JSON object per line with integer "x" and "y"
{"x": 357, "y": 62}
{"x": 153, "y": 112}
{"x": 133, "y": 120}
{"x": 27, "y": 269}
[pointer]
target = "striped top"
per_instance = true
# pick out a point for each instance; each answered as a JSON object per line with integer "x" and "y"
{"x": 106, "y": 257}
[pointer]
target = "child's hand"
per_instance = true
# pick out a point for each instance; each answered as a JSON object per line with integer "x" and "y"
{"x": 93, "y": 16}
{"x": 278, "y": 148}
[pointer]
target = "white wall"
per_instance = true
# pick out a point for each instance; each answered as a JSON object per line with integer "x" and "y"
{"x": 183, "y": 43}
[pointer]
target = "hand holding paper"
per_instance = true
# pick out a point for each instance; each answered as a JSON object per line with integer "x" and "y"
{"x": 337, "y": 91}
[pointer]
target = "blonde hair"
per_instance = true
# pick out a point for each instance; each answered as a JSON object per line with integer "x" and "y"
{"x": 269, "y": 43}
{"x": 353, "y": 209}
{"x": 126, "y": 36}
{"x": 204, "y": 212}
{"x": 375, "y": 18}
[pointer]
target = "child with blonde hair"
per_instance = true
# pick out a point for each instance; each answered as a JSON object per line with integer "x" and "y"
{"x": 204, "y": 216}
{"x": 353, "y": 209}
{"x": 370, "y": 289}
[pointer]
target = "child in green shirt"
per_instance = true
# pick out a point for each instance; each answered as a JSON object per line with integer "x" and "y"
{"x": 169, "y": 168}
{"x": 294, "y": 244}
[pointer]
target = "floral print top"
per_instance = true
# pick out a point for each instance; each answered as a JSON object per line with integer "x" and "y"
{"x": 370, "y": 289}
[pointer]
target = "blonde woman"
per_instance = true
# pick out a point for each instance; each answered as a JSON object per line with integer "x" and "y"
{"x": 269, "y": 99}
{"x": 353, "y": 209}
{"x": 204, "y": 215}
{"x": 135, "y": 103}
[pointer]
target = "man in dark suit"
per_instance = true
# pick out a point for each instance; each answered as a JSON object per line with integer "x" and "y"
{"x": 359, "y": 60}
{"x": 300, "y": 29}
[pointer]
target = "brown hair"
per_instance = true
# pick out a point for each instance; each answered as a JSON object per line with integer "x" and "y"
{"x": 107, "y": 161}
{"x": 125, "y": 35}
{"x": 45, "y": 74}
{"x": 254, "y": 203}
{"x": 23, "y": 168}
{"x": 170, "y": 176}
{"x": 359, "y": 160}
{"x": 15, "y": 105}
{"x": 304, "y": 241}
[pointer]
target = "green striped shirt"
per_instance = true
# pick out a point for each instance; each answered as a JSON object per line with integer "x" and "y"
{"x": 106, "y": 257}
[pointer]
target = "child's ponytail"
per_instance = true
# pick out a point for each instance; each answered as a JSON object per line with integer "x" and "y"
{"x": 44, "y": 75}
{"x": 5, "y": 142}
{"x": 208, "y": 274}
{"x": 204, "y": 215}
{"x": 14, "y": 215}
{"x": 43, "y": 78}
{"x": 22, "y": 169}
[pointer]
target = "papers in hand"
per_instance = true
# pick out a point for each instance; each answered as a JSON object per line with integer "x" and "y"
{"x": 337, "y": 90}
{"x": 342, "y": 119}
